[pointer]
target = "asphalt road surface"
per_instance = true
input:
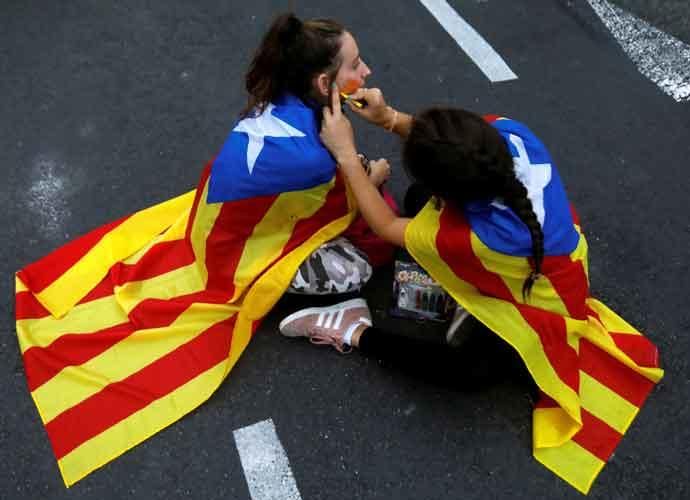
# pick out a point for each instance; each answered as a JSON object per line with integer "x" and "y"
{"x": 109, "y": 107}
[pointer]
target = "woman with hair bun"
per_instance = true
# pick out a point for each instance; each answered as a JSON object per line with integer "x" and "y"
{"x": 288, "y": 82}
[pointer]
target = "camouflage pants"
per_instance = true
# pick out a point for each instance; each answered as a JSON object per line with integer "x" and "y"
{"x": 335, "y": 267}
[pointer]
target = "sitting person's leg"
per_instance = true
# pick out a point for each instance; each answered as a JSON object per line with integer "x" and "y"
{"x": 483, "y": 358}
{"x": 339, "y": 266}
{"x": 335, "y": 267}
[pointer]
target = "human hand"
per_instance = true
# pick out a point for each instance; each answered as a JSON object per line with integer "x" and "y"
{"x": 380, "y": 171}
{"x": 336, "y": 130}
{"x": 376, "y": 110}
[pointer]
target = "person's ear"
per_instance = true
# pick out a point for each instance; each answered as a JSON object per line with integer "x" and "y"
{"x": 322, "y": 83}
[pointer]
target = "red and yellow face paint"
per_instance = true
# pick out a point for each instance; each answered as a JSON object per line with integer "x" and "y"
{"x": 350, "y": 87}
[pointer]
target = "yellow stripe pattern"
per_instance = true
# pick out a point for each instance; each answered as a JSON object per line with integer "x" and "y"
{"x": 82, "y": 319}
{"x": 500, "y": 316}
{"x": 123, "y": 241}
{"x": 74, "y": 384}
{"x": 553, "y": 428}
{"x": 572, "y": 463}
{"x": 254, "y": 298}
{"x": 139, "y": 426}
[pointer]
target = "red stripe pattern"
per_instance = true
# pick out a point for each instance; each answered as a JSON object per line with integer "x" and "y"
{"x": 453, "y": 242}
{"x": 40, "y": 274}
{"x": 568, "y": 353}
{"x": 225, "y": 239}
{"x": 121, "y": 399}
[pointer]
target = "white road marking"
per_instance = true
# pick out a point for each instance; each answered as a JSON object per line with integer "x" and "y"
{"x": 478, "y": 49}
{"x": 662, "y": 58}
{"x": 265, "y": 463}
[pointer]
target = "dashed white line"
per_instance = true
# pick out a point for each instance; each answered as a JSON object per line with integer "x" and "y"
{"x": 265, "y": 463}
{"x": 478, "y": 49}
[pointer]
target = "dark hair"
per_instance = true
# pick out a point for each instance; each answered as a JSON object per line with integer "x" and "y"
{"x": 460, "y": 158}
{"x": 289, "y": 56}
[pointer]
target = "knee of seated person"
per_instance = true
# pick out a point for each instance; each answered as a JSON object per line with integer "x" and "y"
{"x": 336, "y": 267}
{"x": 354, "y": 265}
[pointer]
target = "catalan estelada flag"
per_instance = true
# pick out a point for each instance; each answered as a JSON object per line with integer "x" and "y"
{"x": 135, "y": 324}
{"x": 594, "y": 370}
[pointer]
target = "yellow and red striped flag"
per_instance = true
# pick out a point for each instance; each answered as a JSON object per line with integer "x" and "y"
{"x": 594, "y": 370}
{"x": 132, "y": 326}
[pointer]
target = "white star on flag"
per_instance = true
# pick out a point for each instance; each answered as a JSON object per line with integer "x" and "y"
{"x": 264, "y": 125}
{"x": 534, "y": 176}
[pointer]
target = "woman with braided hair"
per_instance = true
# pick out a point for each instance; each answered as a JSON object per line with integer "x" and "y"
{"x": 461, "y": 163}
{"x": 498, "y": 234}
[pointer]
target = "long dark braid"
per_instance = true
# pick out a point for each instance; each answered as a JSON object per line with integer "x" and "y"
{"x": 515, "y": 196}
{"x": 461, "y": 158}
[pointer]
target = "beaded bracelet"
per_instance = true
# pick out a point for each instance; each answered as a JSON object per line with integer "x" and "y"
{"x": 366, "y": 163}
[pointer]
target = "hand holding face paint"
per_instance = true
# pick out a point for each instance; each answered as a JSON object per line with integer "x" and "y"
{"x": 346, "y": 91}
{"x": 376, "y": 110}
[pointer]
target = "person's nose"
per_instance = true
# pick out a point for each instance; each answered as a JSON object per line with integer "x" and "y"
{"x": 366, "y": 71}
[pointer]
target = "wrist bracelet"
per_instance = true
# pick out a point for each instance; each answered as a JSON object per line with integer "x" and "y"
{"x": 366, "y": 163}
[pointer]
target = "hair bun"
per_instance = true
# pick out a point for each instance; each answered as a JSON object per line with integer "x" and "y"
{"x": 290, "y": 28}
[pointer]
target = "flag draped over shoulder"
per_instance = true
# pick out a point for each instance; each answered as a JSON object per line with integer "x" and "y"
{"x": 128, "y": 328}
{"x": 594, "y": 369}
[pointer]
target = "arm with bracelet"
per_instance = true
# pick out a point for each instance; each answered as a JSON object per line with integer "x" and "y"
{"x": 338, "y": 136}
{"x": 378, "y": 113}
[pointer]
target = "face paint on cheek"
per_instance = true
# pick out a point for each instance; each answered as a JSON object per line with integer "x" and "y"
{"x": 350, "y": 87}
